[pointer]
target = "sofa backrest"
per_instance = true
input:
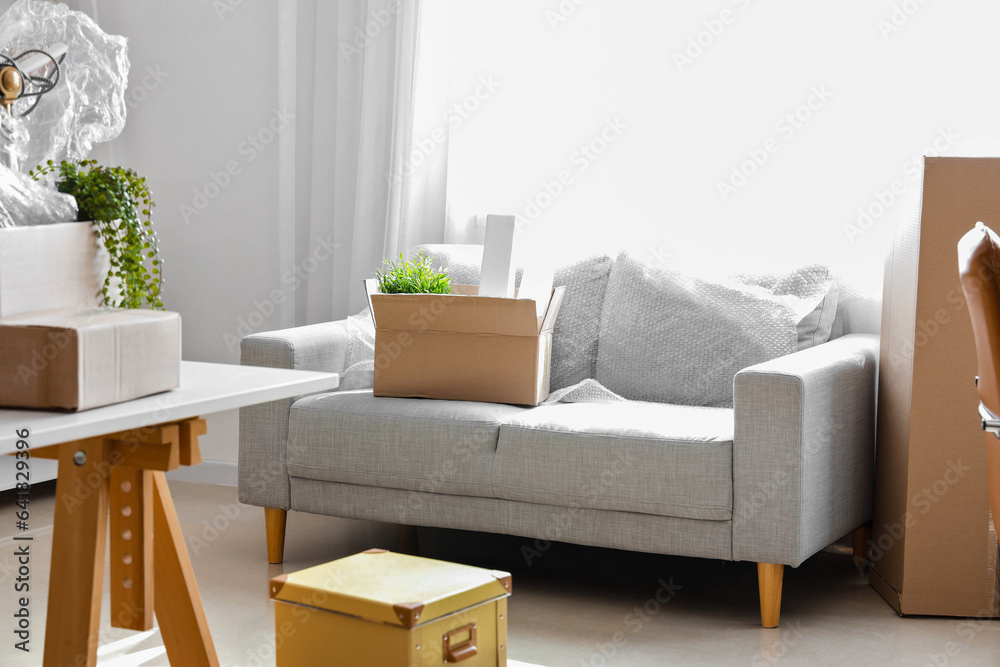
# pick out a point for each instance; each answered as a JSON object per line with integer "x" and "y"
{"x": 574, "y": 353}
{"x": 857, "y": 314}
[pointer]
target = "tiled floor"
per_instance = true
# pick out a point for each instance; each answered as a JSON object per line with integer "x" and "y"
{"x": 572, "y": 607}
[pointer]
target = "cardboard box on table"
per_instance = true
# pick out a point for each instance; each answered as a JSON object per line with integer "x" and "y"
{"x": 933, "y": 547}
{"x": 70, "y": 359}
{"x": 462, "y": 346}
{"x": 51, "y": 266}
{"x": 381, "y": 608}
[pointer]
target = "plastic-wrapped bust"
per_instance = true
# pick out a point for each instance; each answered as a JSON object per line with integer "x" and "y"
{"x": 88, "y": 104}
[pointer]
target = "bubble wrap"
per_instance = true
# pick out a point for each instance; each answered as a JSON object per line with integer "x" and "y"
{"x": 671, "y": 338}
{"x": 586, "y": 391}
{"x": 25, "y": 202}
{"x": 359, "y": 364}
{"x": 88, "y": 104}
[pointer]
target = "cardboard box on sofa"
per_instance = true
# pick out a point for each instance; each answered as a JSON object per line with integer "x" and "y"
{"x": 68, "y": 359}
{"x": 50, "y": 266}
{"x": 463, "y": 347}
{"x": 933, "y": 547}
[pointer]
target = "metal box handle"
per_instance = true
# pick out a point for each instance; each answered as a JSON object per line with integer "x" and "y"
{"x": 463, "y": 650}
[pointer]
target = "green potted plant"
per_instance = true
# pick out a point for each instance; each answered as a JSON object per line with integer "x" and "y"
{"x": 118, "y": 202}
{"x": 412, "y": 277}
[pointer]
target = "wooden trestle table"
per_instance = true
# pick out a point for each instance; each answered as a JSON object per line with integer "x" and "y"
{"x": 112, "y": 462}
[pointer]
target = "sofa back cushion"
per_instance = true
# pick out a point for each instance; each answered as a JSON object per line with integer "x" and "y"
{"x": 671, "y": 338}
{"x": 574, "y": 340}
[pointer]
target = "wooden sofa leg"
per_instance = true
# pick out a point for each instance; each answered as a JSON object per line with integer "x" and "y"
{"x": 769, "y": 576}
{"x": 274, "y": 524}
{"x": 862, "y": 536}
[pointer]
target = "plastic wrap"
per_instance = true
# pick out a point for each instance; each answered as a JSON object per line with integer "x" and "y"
{"x": 27, "y": 202}
{"x": 88, "y": 104}
{"x": 13, "y": 142}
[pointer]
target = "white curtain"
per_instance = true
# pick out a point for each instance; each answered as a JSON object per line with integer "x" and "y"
{"x": 372, "y": 142}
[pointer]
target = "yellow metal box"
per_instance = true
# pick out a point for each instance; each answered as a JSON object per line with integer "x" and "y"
{"x": 383, "y": 609}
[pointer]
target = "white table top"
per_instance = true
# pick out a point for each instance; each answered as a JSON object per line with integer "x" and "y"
{"x": 205, "y": 388}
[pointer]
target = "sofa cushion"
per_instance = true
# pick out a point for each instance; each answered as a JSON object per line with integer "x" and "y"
{"x": 402, "y": 443}
{"x": 574, "y": 340}
{"x": 649, "y": 458}
{"x": 673, "y": 338}
{"x": 807, "y": 287}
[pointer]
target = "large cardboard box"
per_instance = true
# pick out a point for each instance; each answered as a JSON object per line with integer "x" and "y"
{"x": 67, "y": 359}
{"x": 463, "y": 347}
{"x": 51, "y": 266}
{"x": 933, "y": 546}
{"x": 380, "y": 608}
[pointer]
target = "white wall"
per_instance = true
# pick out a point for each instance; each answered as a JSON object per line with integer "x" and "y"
{"x": 203, "y": 91}
{"x": 700, "y": 89}
{"x": 202, "y": 86}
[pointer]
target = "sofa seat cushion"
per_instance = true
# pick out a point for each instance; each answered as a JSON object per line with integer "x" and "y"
{"x": 651, "y": 458}
{"x": 402, "y": 443}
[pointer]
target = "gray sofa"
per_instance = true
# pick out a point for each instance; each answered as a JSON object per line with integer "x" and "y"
{"x": 778, "y": 471}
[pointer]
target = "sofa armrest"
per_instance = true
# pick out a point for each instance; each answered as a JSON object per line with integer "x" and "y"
{"x": 804, "y": 449}
{"x": 263, "y": 476}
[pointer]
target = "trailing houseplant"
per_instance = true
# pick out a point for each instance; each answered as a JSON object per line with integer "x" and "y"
{"x": 118, "y": 202}
{"x": 412, "y": 277}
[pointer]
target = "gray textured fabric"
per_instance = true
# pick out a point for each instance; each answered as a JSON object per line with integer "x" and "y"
{"x": 650, "y": 458}
{"x": 263, "y": 478}
{"x": 803, "y": 452}
{"x": 574, "y": 340}
{"x": 404, "y": 443}
{"x": 617, "y": 530}
{"x": 672, "y": 338}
